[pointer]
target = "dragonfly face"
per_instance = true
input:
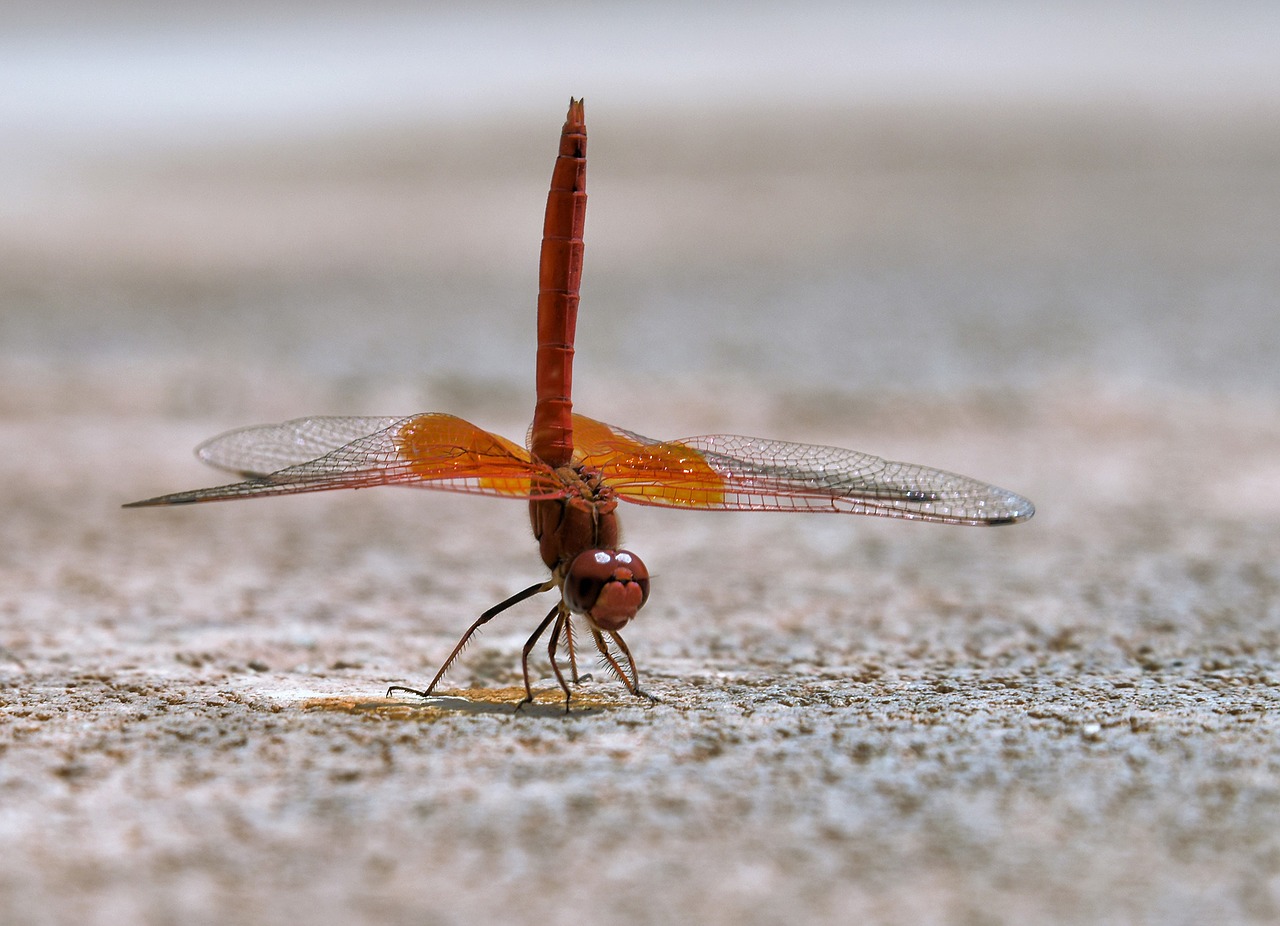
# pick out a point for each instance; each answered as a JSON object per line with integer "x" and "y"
{"x": 607, "y": 586}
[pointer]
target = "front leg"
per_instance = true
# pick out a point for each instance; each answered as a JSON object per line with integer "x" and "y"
{"x": 466, "y": 637}
{"x": 632, "y": 683}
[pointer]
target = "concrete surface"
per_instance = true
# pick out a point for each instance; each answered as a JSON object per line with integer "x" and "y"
{"x": 1072, "y": 720}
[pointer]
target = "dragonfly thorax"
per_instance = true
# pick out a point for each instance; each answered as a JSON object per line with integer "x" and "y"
{"x": 584, "y": 520}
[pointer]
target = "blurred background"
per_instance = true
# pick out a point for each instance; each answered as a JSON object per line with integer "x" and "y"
{"x": 250, "y": 211}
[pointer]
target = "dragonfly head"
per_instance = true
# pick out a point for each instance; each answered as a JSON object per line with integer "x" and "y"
{"x": 608, "y": 586}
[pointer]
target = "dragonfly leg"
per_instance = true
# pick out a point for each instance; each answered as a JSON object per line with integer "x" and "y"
{"x": 563, "y": 622}
{"x": 573, "y": 657}
{"x": 528, "y": 648}
{"x": 632, "y": 683}
{"x": 466, "y": 637}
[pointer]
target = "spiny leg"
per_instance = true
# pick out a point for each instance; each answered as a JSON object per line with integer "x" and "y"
{"x": 632, "y": 683}
{"x": 466, "y": 637}
{"x": 563, "y": 622}
{"x": 573, "y": 658}
{"x": 528, "y": 648}
{"x": 601, "y": 645}
{"x": 635, "y": 673}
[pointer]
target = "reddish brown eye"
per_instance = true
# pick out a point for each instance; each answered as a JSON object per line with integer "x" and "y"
{"x": 608, "y": 586}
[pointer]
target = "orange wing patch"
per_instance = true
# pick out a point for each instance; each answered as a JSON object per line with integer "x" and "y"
{"x": 448, "y": 448}
{"x": 645, "y": 470}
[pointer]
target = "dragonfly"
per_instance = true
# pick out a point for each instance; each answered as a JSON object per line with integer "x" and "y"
{"x": 573, "y": 470}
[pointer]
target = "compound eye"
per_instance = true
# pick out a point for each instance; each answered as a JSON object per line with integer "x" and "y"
{"x": 608, "y": 586}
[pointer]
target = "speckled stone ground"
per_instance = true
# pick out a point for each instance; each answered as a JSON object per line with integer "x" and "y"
{"x": 1072, "y": 720}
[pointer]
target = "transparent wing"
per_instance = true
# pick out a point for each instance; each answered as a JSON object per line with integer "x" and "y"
{"x": 268, "y": 448}
{"x": 730, "y": 472}
{"x": 429, "y": 451}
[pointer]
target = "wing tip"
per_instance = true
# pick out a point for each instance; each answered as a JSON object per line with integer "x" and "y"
{"x": 1019, "y": 509}
{"x": 161, "y": 501}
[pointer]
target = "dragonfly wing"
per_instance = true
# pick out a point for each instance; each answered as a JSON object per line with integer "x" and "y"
{"x": 428, "y": 451}
{"x": 730, "y": 472}
{"x": 264, "y": 449}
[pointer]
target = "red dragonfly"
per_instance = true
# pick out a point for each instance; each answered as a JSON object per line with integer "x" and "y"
{"x": 576, "y": 469}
